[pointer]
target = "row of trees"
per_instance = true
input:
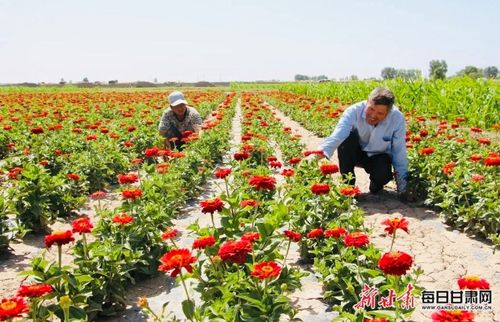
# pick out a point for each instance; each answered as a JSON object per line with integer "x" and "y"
{"x": 300, "y": 77}
{"x": 438, "y": 70}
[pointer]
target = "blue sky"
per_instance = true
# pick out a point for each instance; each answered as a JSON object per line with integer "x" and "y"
{"x": 220, "y": 40}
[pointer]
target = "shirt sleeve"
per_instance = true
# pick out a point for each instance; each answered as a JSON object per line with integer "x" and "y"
{"x": 341, "y": 132}
{"x": 164, "y": 126}
{"x": 399, "y": 155}
{"x": 196, "y": 118}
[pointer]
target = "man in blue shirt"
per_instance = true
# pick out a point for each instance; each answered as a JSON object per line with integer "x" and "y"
{"x": 371, "y": 134}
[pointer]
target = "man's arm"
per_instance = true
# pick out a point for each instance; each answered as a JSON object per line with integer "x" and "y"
{"x": 196, "y": 122}
{"x": 341, "y": 132}
{"x": 399, "y": 155}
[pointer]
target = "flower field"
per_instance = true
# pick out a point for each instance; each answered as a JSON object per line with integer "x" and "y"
{"x": 274, "y": 220}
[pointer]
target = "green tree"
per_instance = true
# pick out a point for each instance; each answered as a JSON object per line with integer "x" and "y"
{"x": 389, "y": 73}
{"x": 438, "y": 69}
{"x": 490, "y": 72}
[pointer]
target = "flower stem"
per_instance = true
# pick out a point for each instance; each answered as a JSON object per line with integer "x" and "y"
{"x": 185, "y": 288}
{"x": 286, "y": 254}
{"x": 59, "y": 254}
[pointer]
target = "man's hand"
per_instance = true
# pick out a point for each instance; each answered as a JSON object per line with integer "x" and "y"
{"x": 407, "y": 196}
{"x": 314, "y": 157}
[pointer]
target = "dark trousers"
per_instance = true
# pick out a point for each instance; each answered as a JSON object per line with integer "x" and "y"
{"x": 351, "y": 155}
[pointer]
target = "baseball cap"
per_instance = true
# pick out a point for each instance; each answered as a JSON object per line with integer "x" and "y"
{"x": 176, "y": 98}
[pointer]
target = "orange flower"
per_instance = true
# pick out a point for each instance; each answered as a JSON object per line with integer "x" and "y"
{"x": 211, "y": 205}
{"x": 287, "y": 172}
{"x": 472, "y": 282}
{"x": 249, "y": 203}
{"x": 12, "y": 308}
{"x": 350, "y": 191}
{"x": 266, "y": 270}
{"x": 175, "y": 260}
{"x": 59, "y": 237}
{"x": 395, "y": 223}
{"x": 123, "y": 219}
{"x": 395, "y": 263}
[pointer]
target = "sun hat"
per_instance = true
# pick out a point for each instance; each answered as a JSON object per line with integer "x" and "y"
{"x": 176, "y": 98}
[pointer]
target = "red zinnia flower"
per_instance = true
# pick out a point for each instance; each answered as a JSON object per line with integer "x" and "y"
{"x": 484, "y": 141}
{"x": 37, "y": 130}
{"x": 308, "y": 153}
{"x": 249, "y": 203}
{"x": 424, "y": 133}
{"x": 204, "y": 242}
{"x": 82, "y": 225}
{"x": 275, "y": 164}
{"x": 211, "y": 205}
{"x": 294, "y": 160}
{"x": 175, "y": 260}
{"x": 452, "y": 316}
{"x": 475, "y": 157}
{"x": 73, "y": 176}
{"x": 12, "y": 308}
{"x": 35, "y": 290}
{"x": 376, "y": 320}
{"x": 170, "y": 234}
{"x": 320, "y": 188}
{"x": 262, "y": 182}
{"x": 335, "y": 232}
{"x": 122, "y": 219}
{"x": 315, "y": 233}
{"x": 98, "y": 195}
{"x": 151, "y": 152}
{"x": 132, "y": 193}
{"x": 473, "y": 282}
{"x": 235, "y": 251}
{"x": 250, "y": 236}
{"x": 329, "y": 168}
{"x": 293, "y": 235}
{"x": 127, "y": 178}
{"x": 448, "y": 168}
{"x": 91, "y": 137}
{"x": 266, "y": 270}
{"x": 59, "y": 237}
{"x": 241, "y": 156}
{"x": 395, "y": 223}
{"x": 287, "y": 172}
{"x": 426, "y": 151}
{"x": 395, "y": 263}
{"x": 350, "y": 191}
{"x": 477, "y": 178}
{"x": 221, "y": 173}
{"x": 492, "y": 161}
{"x": 356, "y": 239}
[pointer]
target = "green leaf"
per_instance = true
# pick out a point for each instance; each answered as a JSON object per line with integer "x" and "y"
{"x": 188, "y": 309}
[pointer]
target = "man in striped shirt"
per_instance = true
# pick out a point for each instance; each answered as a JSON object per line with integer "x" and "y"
{"x": 178, "y": 119}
